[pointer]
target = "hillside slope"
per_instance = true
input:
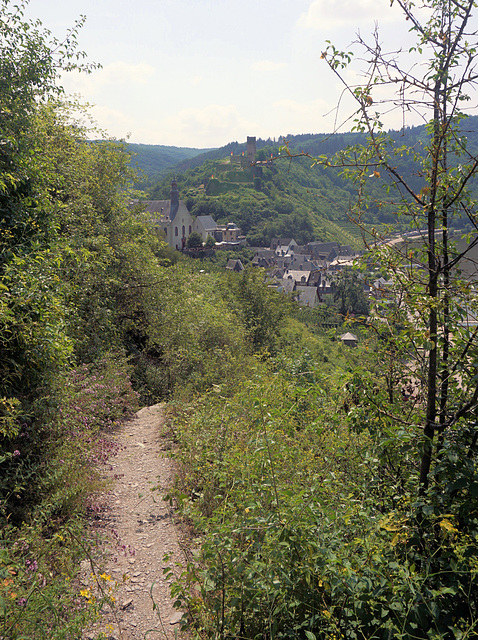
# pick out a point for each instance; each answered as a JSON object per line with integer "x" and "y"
{"x": 281, "y": 196}
{"x": 155, "y": 159}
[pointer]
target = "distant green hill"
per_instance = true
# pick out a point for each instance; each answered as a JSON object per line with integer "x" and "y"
{"x": 282, "y": 199}
{"x": 289, "y": 197}
{"x": 155, "y": 159}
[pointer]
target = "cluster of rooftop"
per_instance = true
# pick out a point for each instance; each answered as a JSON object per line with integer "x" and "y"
{"x": 307, "y": 272}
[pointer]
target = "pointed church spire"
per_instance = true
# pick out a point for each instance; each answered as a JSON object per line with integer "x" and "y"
{"x": 174, "y": 193}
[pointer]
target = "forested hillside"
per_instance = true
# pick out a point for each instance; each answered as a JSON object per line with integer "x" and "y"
{"x": 154, "y": 160}
{"x": 329, "y": 492}
{"x": 300, "y": 199}
{"x": 289, "y": 199}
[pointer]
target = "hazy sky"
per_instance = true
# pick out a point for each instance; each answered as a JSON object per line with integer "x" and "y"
{"x": 202, "y": 73}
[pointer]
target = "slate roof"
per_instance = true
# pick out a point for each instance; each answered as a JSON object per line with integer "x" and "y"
{"x": 342, "y": 261}
{"x": 263, "y": 258}
{"x": 207, "y": 222}
{"x": 160, "y": 210}
{"x": 320, "y": 249}
{"x": 307, "y": 296}
{"x": 287, "y": 286}
{"x": 298, "y": 276}
{"x": 302, "y": 263}
{"x": 234, "y": 265}
{"x": 282, "y": 242}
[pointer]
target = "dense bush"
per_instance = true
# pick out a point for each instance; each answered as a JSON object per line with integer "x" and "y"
{"x": 302, "y": 528}
{"x": 47, "y": 486}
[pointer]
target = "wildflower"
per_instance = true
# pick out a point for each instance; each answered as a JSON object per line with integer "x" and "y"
{"x": 22, "y": 602}
{"x": 32, "y": 565}
{"x": 16, "y": 453}
{"x": 106, "y": 577}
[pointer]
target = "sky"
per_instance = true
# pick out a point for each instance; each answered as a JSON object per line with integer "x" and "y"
{"x": 202, "y": 73}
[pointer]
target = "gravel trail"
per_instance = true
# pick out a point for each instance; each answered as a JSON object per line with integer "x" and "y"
{"x": 140, "y": 528}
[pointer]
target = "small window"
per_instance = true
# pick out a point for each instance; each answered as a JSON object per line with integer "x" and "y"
{"x": 175, "y": 231}
{"x": 184, "y": 231}
{"x": 189, "y": 229}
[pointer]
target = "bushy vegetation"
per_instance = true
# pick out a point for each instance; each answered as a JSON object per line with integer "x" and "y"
{"x": 302, "y": 494}
{"x": 344, "y": 504}
{"x": 331, "y": 492}
{"x": 93, "y": 304}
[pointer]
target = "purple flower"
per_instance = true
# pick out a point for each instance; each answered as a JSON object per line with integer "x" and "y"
{"x": 16, "y": 453}
{"x": 22, "y": 602}
{"x": 32, "y": 565}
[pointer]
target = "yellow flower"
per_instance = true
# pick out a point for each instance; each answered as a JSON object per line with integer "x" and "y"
{"x": 106, "y": 577}
{"x": 447, "y": 526}
{"x": 85, "y": 593}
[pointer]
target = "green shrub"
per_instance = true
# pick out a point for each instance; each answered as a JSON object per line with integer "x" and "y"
{"x": 297, "y": 535}
{"x": 47, "y": 488}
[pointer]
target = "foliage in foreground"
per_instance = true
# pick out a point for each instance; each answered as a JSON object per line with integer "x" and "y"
{"x": 306, "y": 528}
{"x": 48, "y": 485}
{"x": 361, "y": 523}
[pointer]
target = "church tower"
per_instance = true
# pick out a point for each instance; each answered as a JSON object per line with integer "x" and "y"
{"x": 174, "y": 197}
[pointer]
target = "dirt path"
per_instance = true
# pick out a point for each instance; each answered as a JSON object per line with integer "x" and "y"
{"x": 140, "y": 527}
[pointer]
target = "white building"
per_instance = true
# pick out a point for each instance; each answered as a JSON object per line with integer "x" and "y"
{"x": 172, "y": 217}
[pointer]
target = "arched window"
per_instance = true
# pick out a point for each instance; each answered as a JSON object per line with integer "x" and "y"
{"x": 175, "y": 231}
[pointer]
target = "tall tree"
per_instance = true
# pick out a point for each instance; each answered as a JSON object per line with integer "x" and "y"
{"x": 441, "y": 349}
{"x": 32, "y": 341}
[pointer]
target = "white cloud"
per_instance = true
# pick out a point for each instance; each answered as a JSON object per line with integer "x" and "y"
{"x": 213, "y": 125}
{"x": 114, "y": 74}
{"x": 328, "y": 14}
{"x": 126, "y": 73}
{"x": 111, "y": 122}
{"x": 303, "y": 117}
{"x": 267, "y": 66}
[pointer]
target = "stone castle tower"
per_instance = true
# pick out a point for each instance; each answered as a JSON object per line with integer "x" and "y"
{"x": 251, "y": 149}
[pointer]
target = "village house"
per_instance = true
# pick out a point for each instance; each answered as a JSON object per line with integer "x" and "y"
{"x": 319, "y": 250}
{"x": 305, "y": 271}
{"x": 234, "y": 265}
{"x": 301, "y": 277}
{"x": 349, "y": 339}
{"x": 264, "y": 258}
{"x": 307, "y": 296}
{"x": 283, "y": 246}
{"x": 228, "y": 234}
{"x": 205, "y": 226}
{"x": 381, "y": 288}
